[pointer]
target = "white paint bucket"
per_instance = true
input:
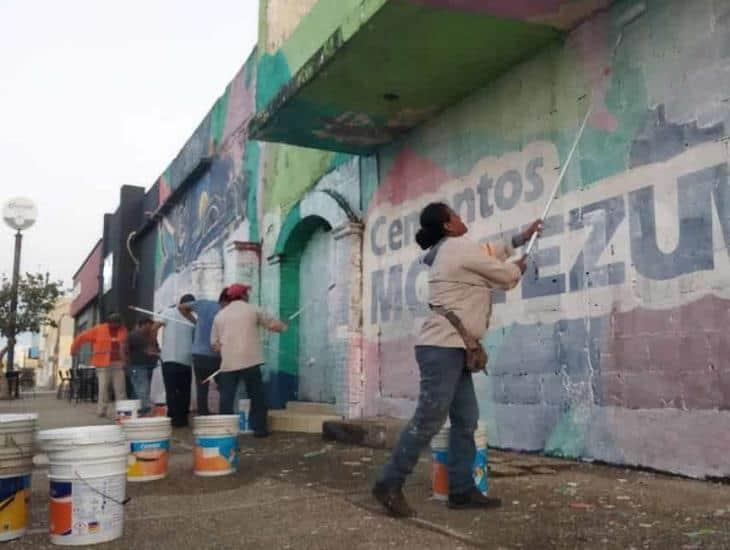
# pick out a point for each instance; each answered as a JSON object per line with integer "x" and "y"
{"x": 17, "y": 437}
{"x": 440, "y": 460}
{"x": 149, "y": 447}
{"x": 126, "y": 409}
{"x": 216, "y": 444}
{"x": 88, "y": 471}
{"x": 244, "y": 416}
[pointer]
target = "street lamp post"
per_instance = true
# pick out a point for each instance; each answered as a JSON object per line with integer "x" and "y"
{"x": 19, "y": 213}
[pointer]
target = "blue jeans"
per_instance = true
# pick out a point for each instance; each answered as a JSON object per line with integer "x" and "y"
{"x": 228, "y": 387}
{"x": 141, "y": 376}
{"x": 446, "y": 390}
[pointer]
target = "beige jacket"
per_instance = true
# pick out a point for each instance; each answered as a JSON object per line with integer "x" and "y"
{"x": 460, "y": 277}
{"x": 236, "y": 331}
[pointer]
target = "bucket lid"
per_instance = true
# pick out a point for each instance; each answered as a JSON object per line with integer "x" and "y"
{"x": 18, "y": 417}
{"x": 80, "y": 435}
{"x": 216, "y": 421}
{"x": 216, "y": 418}
{"x": 147, "y": 422}
{"x": 125, "y": 403}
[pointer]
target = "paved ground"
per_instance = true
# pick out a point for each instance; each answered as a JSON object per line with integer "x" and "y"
{"x": 296, "y": 491}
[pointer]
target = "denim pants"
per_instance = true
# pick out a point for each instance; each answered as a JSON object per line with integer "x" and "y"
{"x": 446, "y": 390}
{"x": 177, "y": 379}
{"x": 141, "y": 376}
{"x": 228, "y": 387}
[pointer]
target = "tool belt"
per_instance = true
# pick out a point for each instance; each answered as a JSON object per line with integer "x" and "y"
{"x": 476, "y": 355}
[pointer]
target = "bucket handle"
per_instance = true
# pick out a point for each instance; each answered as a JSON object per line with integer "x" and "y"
{"x": 101, "y": 493}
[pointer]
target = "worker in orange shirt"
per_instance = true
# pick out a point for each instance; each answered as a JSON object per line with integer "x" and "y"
{"x": 108, "y": 355}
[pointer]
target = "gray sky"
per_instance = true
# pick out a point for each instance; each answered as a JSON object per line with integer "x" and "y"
{"x": 96, "y": 94}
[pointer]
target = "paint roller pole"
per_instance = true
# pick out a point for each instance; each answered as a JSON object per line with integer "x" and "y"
{"x": 211, "y": 377}
{"x": 309, "y": 304}
{"x": 628, "y": 17}
{"x": 563, "y": 170}
{"x": 160, "y": 316}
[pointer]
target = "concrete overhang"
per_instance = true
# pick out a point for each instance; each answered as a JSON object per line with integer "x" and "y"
{"x": 392, "y": 64}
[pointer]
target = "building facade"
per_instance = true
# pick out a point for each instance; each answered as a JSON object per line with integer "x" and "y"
{"x": 307, "y": 176}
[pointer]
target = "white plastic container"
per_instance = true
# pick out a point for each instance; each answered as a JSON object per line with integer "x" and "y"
{"x": 126, "y": 409}
{"x": 17, "y": 438}
{"x": 149, "y": 447}
{"x": 216, "y": 445}
{"x": 440, "y": 460}
{"x": 244, "y": 416}
{"x": 88, "y": 471}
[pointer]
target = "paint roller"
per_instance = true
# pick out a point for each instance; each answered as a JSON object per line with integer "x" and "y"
{"x": 628, "y": 17}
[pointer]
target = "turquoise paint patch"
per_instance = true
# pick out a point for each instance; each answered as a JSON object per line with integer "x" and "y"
{"x": 218, "y": 117}
{"x": 567, "y": 439}
{"x": 290, "y": 222}
{"x": 273, "y": 74}
{"x": 338, "y": 159}
{"x": 251, "y": 163}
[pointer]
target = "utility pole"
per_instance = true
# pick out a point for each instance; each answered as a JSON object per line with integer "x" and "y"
{"x": 20, "y": 214}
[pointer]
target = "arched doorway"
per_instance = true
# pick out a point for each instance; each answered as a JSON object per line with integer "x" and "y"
{"x": 316, "y": 361}
{"x": 306, "y": 348}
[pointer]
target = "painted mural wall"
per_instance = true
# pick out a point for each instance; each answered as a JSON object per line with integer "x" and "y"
{"x": 219, "y": 168}
{"x": 615, "y": 345}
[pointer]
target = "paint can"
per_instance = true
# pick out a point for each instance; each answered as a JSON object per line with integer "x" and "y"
{"x": 149, "y": 447}
{"x": 244, "y": 418}
{"x": 216, "y": 444}
{"x": 88, "y": 473}
{"x": 440, "y": 460}
{"x": 126, "y": 409}
{"x": 17, "y": 435}
{"x": 14, "y": 504}
{"x": 481, "y": 459}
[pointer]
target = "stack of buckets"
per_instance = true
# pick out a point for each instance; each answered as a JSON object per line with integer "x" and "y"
{"x": 216, "y": 444}
{"x": 88, "y": 472}
{"x": 17, "y": 432}
{"x": 440, "y": 460}
{"x": 149, "y": 447}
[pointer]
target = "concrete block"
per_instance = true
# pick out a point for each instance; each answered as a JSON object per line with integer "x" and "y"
{"x": 307, "y": 407}
{"x": 286, "y": 421}
{"x": 378, "y": 433}
{"x": 522, "y": 389}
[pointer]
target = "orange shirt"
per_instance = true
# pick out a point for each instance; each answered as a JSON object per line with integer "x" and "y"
{"x": 104, "y": 345}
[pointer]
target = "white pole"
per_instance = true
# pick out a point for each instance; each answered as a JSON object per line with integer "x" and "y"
{"x": 563, "y": 170}
{"x": 160, "y": 316}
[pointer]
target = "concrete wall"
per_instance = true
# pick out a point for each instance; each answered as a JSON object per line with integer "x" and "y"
{"x": 617, "y": 348}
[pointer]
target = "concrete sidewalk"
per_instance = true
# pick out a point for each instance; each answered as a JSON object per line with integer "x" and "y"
{"x": 297, "y": 491}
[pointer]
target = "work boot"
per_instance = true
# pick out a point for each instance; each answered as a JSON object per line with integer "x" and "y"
{"x": 393, "y": 500}
{"x": 473, "y": 498}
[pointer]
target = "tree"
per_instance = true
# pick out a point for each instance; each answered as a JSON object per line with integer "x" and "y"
{"x": 37, "y": 298}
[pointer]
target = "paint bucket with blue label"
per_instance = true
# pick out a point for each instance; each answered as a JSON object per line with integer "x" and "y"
{"x": 14, "y": 504}
{"x": 216, "y": 445}
{"x": 244, "y": 416}
{"x": 149, "y": 448}
{"x": 17, "y": 437}
{"x": 88, "y": 473}
{"x": 440, "y": 460}
{"x": 127, "y": 409}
